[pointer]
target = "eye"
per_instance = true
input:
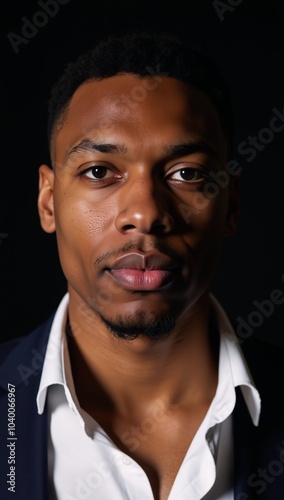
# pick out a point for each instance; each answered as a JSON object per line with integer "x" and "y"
{"x": 98, "y": 173}
{"x": 188, "y": 174}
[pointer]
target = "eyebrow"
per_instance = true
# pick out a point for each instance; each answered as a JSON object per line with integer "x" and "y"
{"x": 88, "y": 145}
{"x": 191, "y": 148}
{"x": 173, "y": 150}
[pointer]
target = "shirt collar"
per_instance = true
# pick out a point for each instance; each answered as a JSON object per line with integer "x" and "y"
{"x": 233, "y": 369}
{"x": 53, "y": 367}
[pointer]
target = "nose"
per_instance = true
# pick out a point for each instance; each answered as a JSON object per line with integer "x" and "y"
{"x": 143, "y": 209}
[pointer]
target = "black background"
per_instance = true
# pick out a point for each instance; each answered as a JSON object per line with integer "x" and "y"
{"x": 248, "y": 44}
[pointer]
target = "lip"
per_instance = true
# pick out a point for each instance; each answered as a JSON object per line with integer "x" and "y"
{"x": 144, "y": 261}
{"x": 143, "y": 272}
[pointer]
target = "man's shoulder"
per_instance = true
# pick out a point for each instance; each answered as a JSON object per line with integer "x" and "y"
{"x": 25, "y": 341}
{"x": 26, "y": 351}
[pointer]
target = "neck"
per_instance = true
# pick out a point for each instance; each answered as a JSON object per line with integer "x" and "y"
{"x": 131, "y": 375}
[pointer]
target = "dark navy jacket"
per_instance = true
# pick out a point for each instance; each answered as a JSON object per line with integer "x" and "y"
{"x": 258, "y": 451}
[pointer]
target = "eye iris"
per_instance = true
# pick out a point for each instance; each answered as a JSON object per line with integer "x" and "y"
{"x": 188, "y": 174}
{"x": 99, "y": 172}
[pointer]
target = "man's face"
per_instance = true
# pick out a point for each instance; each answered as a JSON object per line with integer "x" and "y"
{"x": 139, "y": 225}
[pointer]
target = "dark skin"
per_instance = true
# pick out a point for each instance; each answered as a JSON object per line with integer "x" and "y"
{"x": 131, "y": 200}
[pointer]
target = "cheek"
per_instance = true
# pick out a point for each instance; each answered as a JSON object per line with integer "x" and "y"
{"x": 207, "y": 236}
{"x": 81, "y": 224}
{"x": 202, "y": 204}
{"x": 206, "y": 214}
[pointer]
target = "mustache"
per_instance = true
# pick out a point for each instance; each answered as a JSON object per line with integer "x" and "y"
{"x": 133, "y": 246}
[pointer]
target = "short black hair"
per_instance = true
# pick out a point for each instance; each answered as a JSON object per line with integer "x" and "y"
{"x": 143, "y": 54}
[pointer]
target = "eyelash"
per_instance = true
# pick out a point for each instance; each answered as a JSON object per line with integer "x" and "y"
{"x": 86, "y": 170}
{"x": 203, "y": 174}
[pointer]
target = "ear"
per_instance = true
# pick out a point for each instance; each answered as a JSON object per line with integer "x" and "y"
{"x": 233, "y": 207}
{"x": 45, "y": 199}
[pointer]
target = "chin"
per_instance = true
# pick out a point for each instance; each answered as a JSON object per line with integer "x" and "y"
{"x": 140, "y": 325}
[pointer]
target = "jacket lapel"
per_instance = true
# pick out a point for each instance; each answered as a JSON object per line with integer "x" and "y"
{"x": 244, "y": 437}
{"x": 258, "y": 454}
{"x": 28, "y": 446}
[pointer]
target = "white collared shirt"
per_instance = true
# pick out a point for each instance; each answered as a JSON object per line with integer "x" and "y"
{"x": 85, "y": 464}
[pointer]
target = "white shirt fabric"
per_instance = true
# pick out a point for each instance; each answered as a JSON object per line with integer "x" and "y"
{"x": 85, "y": 464}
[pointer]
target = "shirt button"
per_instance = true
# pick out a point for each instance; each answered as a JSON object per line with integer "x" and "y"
{"x": 125, "y": 460}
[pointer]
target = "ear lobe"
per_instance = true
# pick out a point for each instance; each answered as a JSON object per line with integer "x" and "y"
{"x": 233, "y": 207}
{"x": 45, "y": 199}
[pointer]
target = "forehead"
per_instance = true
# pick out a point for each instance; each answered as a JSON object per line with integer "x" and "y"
{"x": 139, "y": 109}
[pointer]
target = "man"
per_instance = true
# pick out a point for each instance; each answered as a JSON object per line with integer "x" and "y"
{"x": 137, "y": 387}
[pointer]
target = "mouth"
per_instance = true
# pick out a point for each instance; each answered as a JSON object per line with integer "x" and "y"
{"x": 143, "y": 272}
